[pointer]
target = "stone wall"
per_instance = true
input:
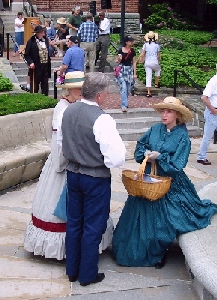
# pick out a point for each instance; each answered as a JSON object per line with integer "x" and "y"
{"x": 131, "y": 19}
{"x": 132, "y": 6}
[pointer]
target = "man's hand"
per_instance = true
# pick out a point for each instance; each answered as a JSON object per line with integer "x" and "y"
{"x": 213, "y": 110}
{"x": 32, "y": 66}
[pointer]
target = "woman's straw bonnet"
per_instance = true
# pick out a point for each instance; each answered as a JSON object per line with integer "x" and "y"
{"x": 151, "y": 35}
{"x": 174, "y": 104}
{"x": 73, "y": 80}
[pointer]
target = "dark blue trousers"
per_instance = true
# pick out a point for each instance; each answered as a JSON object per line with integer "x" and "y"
{"x": 87, "y": 214}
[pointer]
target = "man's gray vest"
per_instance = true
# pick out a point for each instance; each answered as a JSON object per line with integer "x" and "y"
{"x": 79, "y": 145}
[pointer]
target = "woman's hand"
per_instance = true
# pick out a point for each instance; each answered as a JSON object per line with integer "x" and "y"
{"x": 119, "y": 58}
{"x": 153, "y": 155}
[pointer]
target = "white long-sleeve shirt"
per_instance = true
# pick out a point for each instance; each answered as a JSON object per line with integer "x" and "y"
{"x": 108, "y": 138}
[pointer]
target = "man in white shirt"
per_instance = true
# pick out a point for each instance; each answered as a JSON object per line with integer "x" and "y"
{"x": 209, "y": 97}
{"x": 103, "y": 42}
{"x": 92, "y": 145}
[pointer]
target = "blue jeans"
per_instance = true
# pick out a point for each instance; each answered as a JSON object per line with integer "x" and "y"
{"x": 19, "y": 38}
{"x": 209, "y": 128}
{"x": 125, "y": 88}
{"x": 87, "y": 214}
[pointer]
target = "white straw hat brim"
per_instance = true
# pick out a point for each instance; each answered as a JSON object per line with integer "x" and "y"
{"x": 186, "y": 115}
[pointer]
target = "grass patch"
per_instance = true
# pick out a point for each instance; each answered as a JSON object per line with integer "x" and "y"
{"x": 12, "y": 104}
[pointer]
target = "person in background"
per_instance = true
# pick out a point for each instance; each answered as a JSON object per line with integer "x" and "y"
{"x": 127, "y": 60}
{"x": 19, "y": 31}
{"x": 33, "y": 24}
{"x": 209, "y": 98}
{"x": 92, "y": 145}
{"x": 62, "y": 32}
{"x": 103, "y": 41}
{"x": 51, "y": 33}
{"x": 38, "y": 59}
{"x": 74, "y": 57}
{"x": 88, "y": 34}
{"x": 75, "y": 21}
{"x": 151, "y": 57}
{"x": 147, "y": 228}
{"x": 1, "y": 5}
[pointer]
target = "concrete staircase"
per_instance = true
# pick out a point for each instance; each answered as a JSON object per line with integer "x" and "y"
{"x": 136, "y": 121}
{"x": 20, "y": 69}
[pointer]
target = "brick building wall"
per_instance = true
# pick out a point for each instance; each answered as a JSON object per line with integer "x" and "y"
{"x": 131, "y": 6}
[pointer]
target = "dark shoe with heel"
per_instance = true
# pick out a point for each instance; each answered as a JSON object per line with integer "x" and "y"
{"x": 157, "y": 86}
{"x": 99, "y": 278}
{"x": 73, "y": 278}
{"x": 204, "y": 162}
{"x": 161, "y": 263}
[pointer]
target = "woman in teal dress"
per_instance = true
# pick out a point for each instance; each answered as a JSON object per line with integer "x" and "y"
{"x": 147, "y": 228}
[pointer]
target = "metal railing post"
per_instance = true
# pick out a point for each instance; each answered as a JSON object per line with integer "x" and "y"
{"x": 175, "y": 82}
{"x": 215, "y": 137}
{"x": 55, "y": 88}
{"x": 7, "y": 34}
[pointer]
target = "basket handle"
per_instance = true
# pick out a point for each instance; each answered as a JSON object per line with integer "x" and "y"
{"x": 142, "y": 169}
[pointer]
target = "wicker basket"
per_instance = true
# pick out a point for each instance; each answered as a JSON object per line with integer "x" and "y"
{"x": 150, "y": 191}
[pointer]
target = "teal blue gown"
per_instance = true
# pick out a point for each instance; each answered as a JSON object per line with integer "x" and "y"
{"x": 147, "y": 228}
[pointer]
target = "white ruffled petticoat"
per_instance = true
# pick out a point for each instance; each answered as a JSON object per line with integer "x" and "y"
{"x": 51, "y": 182}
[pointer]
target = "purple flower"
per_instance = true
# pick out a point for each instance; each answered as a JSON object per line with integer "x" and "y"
{"x": 169, "y": 8}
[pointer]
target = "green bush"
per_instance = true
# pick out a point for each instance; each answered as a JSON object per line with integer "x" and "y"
{"x": 12, "y": 104}
{"x": 5, "y": 84}
{"x": 163, "y": 16}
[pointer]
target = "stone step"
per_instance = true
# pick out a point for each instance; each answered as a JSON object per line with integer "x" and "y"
{"x": 132, "y": 113}
{"x": 137, "y": 122}
{"x": 19, "y": 71}
{"x": 135, "y": 134}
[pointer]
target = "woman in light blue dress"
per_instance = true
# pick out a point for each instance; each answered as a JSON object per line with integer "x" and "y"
{"x": 147, "y": 228}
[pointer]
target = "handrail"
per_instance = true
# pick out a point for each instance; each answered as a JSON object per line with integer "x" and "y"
{"x": 197, "y": 87}
{"x": 55, "y": 88}
{"x": 8, "y": 35}
{"x": 2, "y": 37}
{"x": 186, "y": 76}
{"x": 113, "y": 45}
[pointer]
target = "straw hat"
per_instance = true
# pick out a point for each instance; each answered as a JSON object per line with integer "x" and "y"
{"x": 61, "y": 21}
{"x": 151, "y": 35}
{"x": 72, "y": 80}
{"x": 175, "y": 104}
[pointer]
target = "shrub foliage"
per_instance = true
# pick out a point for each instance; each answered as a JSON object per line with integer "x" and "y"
{"x": 5, "y": 84}
{"x": 16, "y": 103}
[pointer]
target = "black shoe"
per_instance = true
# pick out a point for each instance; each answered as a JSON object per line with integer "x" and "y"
{"x": 73, "y": 278}
{"x": 161, "y": 263}
{"x": 204, "y": 162}
{"x": 99, "y": 278}
{"x": 27, "y": 90}
{"x": 22, "y": 87}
